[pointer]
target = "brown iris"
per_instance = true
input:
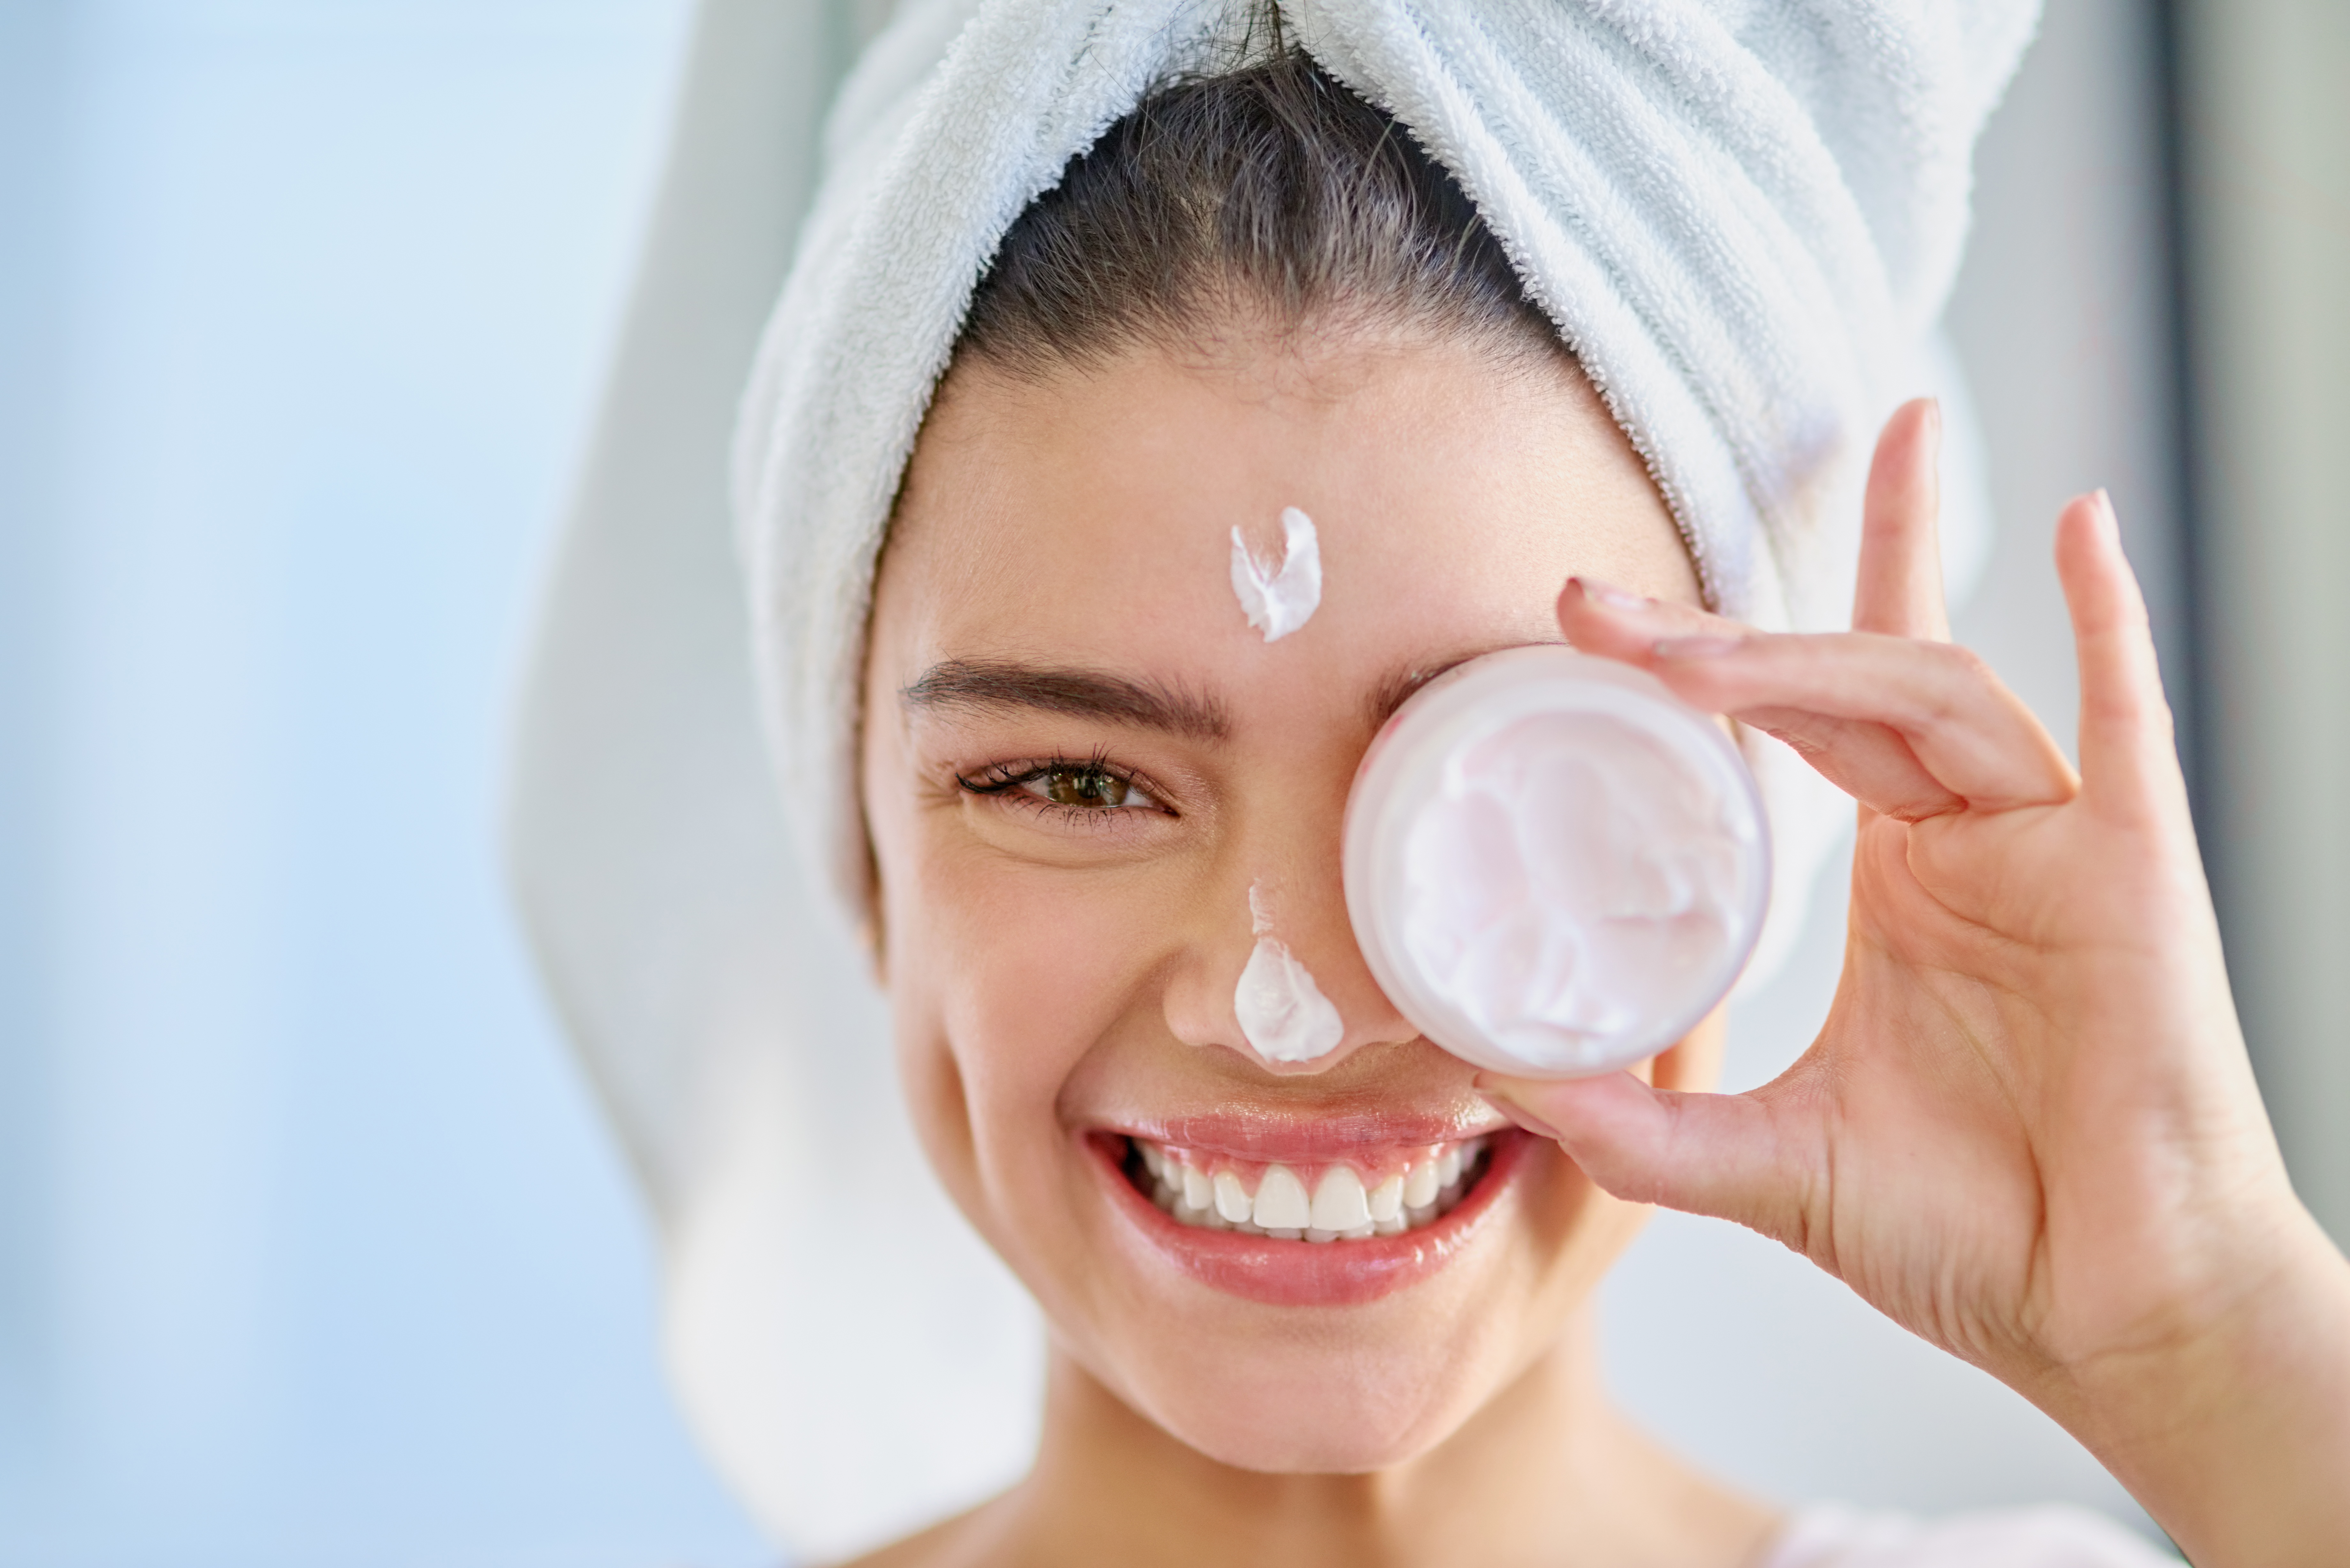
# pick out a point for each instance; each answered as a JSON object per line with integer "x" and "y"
{"x": 1088, "y": 788}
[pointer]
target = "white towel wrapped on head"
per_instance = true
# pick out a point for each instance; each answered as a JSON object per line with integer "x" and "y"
{"x": 1744, "y": 218}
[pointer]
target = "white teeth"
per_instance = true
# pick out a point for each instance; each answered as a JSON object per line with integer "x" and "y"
{"x": 1232, "y": 1200}
{"x": 1419, "y": 1184}
{"x": 1281, "y": 1202}
{"x": 1339, "y": 1204}
{"x": 1339, "y": 1207}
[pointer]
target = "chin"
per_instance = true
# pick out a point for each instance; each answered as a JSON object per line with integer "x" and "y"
{"x": 1335, "y": 1410}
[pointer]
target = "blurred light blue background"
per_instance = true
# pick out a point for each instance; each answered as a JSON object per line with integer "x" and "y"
{"x": 312, "y": 1249}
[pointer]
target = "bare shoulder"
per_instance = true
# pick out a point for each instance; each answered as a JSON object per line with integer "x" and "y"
{"x": 960, "y": 1541}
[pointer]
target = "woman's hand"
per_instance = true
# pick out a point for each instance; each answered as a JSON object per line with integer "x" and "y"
{"x": 2028, "y": 1131}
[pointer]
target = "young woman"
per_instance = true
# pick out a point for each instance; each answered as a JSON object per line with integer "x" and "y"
{"x": 1077, "y": 785}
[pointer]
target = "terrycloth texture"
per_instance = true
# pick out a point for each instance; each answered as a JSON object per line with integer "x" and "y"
{"x": 1744, "y": 218}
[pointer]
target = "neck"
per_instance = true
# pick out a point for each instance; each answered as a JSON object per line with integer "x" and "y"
{"x": 1548, "y": 1469}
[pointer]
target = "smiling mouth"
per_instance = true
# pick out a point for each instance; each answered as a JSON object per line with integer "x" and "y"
{"x": 1338, "y": 1202}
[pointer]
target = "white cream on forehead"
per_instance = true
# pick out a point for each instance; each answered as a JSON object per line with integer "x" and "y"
{"x": 1282, "y": 1011}
{"x": 1279, "y": 596}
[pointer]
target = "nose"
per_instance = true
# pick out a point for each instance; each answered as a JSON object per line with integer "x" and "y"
{"x": 1274, "y": 972}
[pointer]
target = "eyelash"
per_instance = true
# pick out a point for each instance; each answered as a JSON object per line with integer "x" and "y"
{"x": 1002, "y": 781}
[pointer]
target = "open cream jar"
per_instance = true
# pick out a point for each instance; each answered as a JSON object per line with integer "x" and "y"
{"x": 1554, "y": 866}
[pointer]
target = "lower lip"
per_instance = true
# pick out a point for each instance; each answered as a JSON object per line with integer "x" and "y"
{"x": 1313, "y": 1273}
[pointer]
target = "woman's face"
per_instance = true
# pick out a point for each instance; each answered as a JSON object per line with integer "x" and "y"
{"x": 1091, "y": 785}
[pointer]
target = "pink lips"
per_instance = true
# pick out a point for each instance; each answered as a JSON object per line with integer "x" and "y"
{"x": 1301, "y": 1274}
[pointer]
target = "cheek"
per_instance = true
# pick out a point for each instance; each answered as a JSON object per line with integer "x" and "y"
{"x": 1005, "y": 976}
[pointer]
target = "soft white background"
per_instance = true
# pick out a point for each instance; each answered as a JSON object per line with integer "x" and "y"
{"x": 311, "y": 1248}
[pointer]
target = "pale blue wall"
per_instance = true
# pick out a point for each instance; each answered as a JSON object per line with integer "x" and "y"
{"x": 311, "y": 1248}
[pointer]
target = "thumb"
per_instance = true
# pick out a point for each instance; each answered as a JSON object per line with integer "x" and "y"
{"x": 1743, "y": 1157}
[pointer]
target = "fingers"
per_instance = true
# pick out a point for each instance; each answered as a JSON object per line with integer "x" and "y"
{"x": 1973, "y": 735}
{"x": 1868, "y": 761}
{"x": 1908, "y": 726}
{"x": 1603, "y": 620}
{"x": 1909, "y": 729}
{"x": 2125, "y": 725}
{"x": 1732, "y": 1156}
{"x": 1900, "y": 592}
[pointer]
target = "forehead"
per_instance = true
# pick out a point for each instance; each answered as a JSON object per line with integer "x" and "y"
{"x": 1090, "y": 514}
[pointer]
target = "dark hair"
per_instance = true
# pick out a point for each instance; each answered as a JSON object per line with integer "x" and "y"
{"x": 1268, "y": 196}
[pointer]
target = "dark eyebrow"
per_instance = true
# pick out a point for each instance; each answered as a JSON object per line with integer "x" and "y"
{"x": 1081, "y": 693}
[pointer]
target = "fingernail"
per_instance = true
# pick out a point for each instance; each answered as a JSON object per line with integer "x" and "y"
{"x": 1519, "y": 1114}
{"x": 1697, "y": 647}
{"x": 1615, "y": 598}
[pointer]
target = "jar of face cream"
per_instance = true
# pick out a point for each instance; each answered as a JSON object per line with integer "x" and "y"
{"x": 1554, "y": 866}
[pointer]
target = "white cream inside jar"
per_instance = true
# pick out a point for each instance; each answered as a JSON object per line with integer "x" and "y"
{"x": 1554, "y": 866}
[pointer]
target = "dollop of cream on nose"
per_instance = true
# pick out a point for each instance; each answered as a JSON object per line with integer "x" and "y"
{"x": 1282, "y": 1011}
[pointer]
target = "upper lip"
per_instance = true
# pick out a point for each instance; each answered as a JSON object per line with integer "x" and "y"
{"x": 1304, "y": 1138}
